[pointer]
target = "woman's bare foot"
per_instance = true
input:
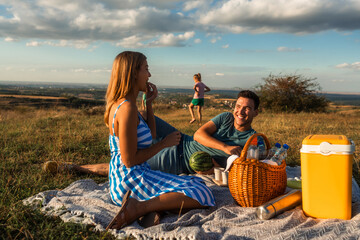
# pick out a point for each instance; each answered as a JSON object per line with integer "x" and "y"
{"x": 127, "y": 214}
{"x": 192, "y": 120}
{"x": 150, "y": 219}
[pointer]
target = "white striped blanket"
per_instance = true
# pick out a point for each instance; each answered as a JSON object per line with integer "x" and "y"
{"x": 87, "y": 202}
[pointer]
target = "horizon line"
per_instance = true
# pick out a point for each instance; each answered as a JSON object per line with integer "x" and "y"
{"x": 159, "y": 86}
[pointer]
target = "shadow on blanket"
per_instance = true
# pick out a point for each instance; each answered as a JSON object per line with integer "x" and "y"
{"x": 87, "y": 202}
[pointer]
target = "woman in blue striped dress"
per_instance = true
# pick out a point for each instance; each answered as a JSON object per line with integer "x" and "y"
{"x": 133, "y": 185}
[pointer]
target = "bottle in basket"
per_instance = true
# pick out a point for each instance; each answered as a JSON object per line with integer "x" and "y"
{"x": 251, "y": 154}
{"x": 280, "y": 154}
{"x": 273, "y": 150}
{"x": 261, "y": 149}
{"x": 270, "y": 154}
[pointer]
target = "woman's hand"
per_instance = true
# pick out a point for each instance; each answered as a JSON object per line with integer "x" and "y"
{"x": 151, "y": 93}
{"x": 172, "y": 139}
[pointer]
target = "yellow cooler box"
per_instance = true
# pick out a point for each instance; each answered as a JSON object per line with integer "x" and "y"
{"x": 326, "y": 172}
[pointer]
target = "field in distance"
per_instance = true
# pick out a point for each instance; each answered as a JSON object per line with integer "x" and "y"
{"x": 76, "y": 95}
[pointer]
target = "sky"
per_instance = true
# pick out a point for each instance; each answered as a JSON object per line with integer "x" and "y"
{"x": 232, "y": 43}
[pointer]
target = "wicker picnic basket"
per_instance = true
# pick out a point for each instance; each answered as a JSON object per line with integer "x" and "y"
{"x": 251, "y": 182}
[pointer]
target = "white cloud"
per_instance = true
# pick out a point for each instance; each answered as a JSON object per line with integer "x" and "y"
{"x": 9, "y": 39}
{"x": 297, "y": 16}
{"x": 9, "y": 68}
{"x": 100, "y": 71}
{"x": 82, "y": 70}
{"x": 79, "y": 70}
{"x": 287, "y": 49}
{"x": 61, "y": 43}
{"x": 160, "y": 21}
{"x": 198, "y": 40}
{"x": 355, "y": 65}
{"x": 33, "y": 44}
{"x": 219, "y": 74}
{"x": 172, "y": 40}
{"x": 164, "y": 40}
{"x": 215, "y": 39}
{"x": 91, "y": 20}
{"x": 131, "y": 42}
{"x": 338, "y": 80}
{"x": 191, "y": 5}
{"x": 225, "y": 46}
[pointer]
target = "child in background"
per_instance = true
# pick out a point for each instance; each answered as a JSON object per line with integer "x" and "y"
{"x": 198, "y": 99}
{"x": 143, "y": 102}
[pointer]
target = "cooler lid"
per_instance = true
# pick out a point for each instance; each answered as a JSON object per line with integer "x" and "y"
{"x": 328, "y": 144}
{"x": 333, "y": 139}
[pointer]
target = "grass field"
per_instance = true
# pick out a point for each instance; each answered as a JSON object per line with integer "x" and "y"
{"x": 32, "y": 136}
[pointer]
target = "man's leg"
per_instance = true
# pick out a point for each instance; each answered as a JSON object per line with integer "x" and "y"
{"x": 101, "y": 169}
{"x": 162, "y": 129}
{"x": 167, "y": 160}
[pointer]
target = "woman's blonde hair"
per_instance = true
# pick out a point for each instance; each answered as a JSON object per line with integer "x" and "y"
{"x": 198, "y": 76}
{"x": 124, "y": 70}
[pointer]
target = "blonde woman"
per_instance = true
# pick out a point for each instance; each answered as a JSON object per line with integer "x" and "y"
{"x": 198, "y": 100}
{"x": 133, "y": 185}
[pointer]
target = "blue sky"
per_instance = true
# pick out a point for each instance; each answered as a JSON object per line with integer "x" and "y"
{"x": 232, "y": 43}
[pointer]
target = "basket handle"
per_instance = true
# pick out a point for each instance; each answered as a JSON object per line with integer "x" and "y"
{"x": 248, "y": 143}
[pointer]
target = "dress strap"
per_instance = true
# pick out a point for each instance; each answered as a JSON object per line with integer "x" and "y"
{"x": 113, "y": 128}
{"x": 141, "y": 117}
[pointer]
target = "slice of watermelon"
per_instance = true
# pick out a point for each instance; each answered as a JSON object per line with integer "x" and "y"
{"x": 294, "y": 183}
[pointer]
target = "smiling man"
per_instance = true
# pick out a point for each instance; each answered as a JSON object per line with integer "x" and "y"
{"x": 227, "y": 133}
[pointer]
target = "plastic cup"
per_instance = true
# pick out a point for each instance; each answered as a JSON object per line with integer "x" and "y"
{"x": 224, "y": 176}
{"x": 217, "y": 172}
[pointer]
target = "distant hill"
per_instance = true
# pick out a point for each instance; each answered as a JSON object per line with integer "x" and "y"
{"x": 343, "y": 99}
{"x": 97, "y": 91}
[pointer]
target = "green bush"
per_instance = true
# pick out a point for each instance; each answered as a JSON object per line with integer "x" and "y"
{"x": 291, "y": 93}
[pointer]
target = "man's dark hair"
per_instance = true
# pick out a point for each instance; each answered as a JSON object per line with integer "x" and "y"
{"x": 251, "y": 95}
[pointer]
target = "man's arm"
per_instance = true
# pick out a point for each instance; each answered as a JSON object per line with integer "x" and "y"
{"x": 204, "y": 136}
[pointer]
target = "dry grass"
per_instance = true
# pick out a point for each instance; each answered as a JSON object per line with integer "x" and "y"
{"x": 31, "y": 136}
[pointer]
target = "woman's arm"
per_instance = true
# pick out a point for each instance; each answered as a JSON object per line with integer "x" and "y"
{"x": 126, "y": 128}
{"x": 204, "y": 136}
{"x": 207, "y": 89}
{"x": 151, "y": 94}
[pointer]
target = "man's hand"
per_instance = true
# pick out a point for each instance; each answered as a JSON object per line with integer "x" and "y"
{"x": 233, "y": 150}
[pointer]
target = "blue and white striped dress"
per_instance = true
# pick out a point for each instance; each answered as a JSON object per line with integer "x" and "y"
{"x": 146, "y": 183}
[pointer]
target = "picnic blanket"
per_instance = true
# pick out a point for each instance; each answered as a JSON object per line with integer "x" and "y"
{"x": 87, "y": 202}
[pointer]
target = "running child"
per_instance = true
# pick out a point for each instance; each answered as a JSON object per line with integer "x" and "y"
{"x": 198, "y": 99}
